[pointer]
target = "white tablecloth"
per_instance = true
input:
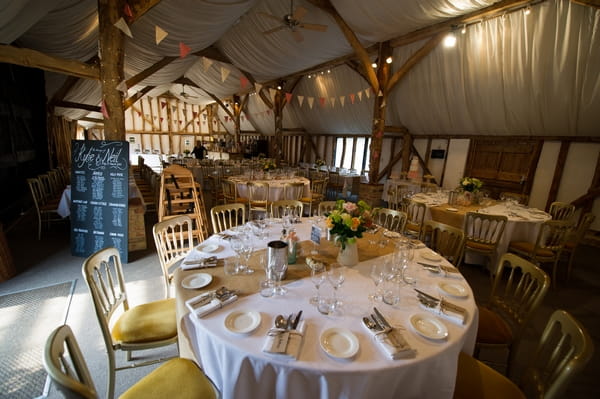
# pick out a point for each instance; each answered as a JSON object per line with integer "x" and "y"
{"x": 241, "y": 370}
{"x": 64, "y": 206}
{"x": 275, "y": 186}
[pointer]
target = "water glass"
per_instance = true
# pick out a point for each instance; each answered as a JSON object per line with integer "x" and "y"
{"x": 336, "y": 278}
{"x": 318, "y": 274}
{"x": 276, "y": 272}
{"x": 391, "y": 291}
{"x": 377, "y": 275}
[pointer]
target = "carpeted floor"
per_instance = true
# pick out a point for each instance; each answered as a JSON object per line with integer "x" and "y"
{"x": 22, "y": 373}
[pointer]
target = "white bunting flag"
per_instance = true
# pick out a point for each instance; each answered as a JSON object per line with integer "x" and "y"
{"x": 122, "y": 87}
{"x": 342, "y": 100}
{"x": 360, "y": 95}
{"x": 380, "y": 94}
{"x": 311, "y": 100}
{"x": 159, "y": 34}
{"x": 368, "y": 93}
{"x": 332, "y": 101}
{"x": 224, "y": 73}
{"x": 272, "y": 93}
{"x": 300, "y": 100}
{"x": 123, "y": 27}
{"x": 257, "y": 87}
{"x": 206, "y": 63}
{"x": 382, "y": 104}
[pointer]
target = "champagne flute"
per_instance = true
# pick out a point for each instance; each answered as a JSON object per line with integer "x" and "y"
{"x": 336, "y": 278}
{"x": 236, "y": 244}
{"x": 377, "y": 275}
{"x": 246, "y": 252}
{"x": 317, "y": 276}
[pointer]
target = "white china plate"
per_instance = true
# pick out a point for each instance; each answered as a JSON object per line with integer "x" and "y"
{"x": 452, "y": 209}
{"x": 208, "y": 248}
{"x": 339, "y": 342}
{"x": 242, "y": 321}
{"x": 430, "y": 256}
{"x": 392, "y": 234}
{"x": 453, "y": 289}
{"x": 537, "y": 216}
{"x": 196, "y": 281}
{"x": 428, "y": 326}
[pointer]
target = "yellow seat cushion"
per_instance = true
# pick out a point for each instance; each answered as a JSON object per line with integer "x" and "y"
{"x": 527, "y": 247}
{"x": 149, "y": 322}
{"x": 478, "y": 246}
{"x": 492, "y": 329}
{"x": 476, "y": 380}
{"x": 177, "y": 378}
{"x": 241, "y": 200}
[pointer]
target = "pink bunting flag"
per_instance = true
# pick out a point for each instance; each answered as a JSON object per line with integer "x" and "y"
{"x": 352, "y": 97}
{"x": 268, "y": 112}
{"x": 288, "y": 97}
{"x": 104, "y": 110}
{"x": 127, "y": 10}
{"x": 183, "y": 50}
{"x": 244, "y": 82}
{"x": 226, "y": 118}
{"x": 161, "y": 119}
{"x": 194, "y": 113}
{"x": 139, "y": 114}
{"x": 162, "y": 105}
{"x": 322, "y": 101}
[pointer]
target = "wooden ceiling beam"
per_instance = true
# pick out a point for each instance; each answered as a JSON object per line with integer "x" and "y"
{"x": 133, "y": 99}
{"x": 589, "y": 3}
{"x": 213, "y": 53}
{"x": 62, "y": 92}
{"x": 69, "y": 104}
{"x": 35, "y": 59}
{"x": 149, "y": 71}
{"x": 94, "y": 120}
{"x": 140, "y": 7}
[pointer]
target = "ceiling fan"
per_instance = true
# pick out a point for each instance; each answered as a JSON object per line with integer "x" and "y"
{"x": 184, "y": 94}
{"x": 293, "y": 21}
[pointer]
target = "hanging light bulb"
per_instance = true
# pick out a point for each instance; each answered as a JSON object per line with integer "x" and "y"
{"x": 389, "y": 60}
{"x": 450, "y": 40}
{"x": 527, "y": 10}
{"x": 374, "y": 65}
{"x": 463, "y": 30}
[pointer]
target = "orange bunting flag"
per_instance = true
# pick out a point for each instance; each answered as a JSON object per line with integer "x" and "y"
{"x": 104, "y": 110}
{"x": 244, "y": 81}
{"x": 352, "y": 97}
{"x": 311, "y": 101}
{"x": 300, "y": 100}
{"x": 183, "y": 50}
{"x": 322, "y": 101}
{"x": 159, "y": 34}
{"x": 288, "y": 97}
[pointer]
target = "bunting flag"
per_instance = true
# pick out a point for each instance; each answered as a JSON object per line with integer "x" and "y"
{"x": 123, "y": 27}
{"x": 244, "y": 82}
{"x": 360, "y": 95}
{"x": 380, "y": 94}
{"x": 226, "y": 118}
{"x": 139, "y": 114}
{"x": 122, "y": 87}
{"x": 332, "y": 101}
{"x": 322, "y": 101}
{"x": 300, "y": 100}
{"x": 242, "y": 118}
{"x": 224, "y": 74}
{"x": 311, "y": 100}
{"x": 159, "y": 34}
{"x": 368, "y": 93}
{"x": 195, "y": 114}
{"x": 342, "y": 100}
{"x": 183, "y": 50}
{"x": 272, "y": 93}
{"x": 173, "y": 108}
{"x": 352, "y": 97}
{"x": 268, "y": 112}
{"x": 104, "y": 110}
{"x": 382, "y": 104}
{"x": 206, "y": 63}
{"x": 161, "y": 119}
{"x": 127, "y": 10}
{"x": 288, "y": 97}
{"x": 257, "y": 87}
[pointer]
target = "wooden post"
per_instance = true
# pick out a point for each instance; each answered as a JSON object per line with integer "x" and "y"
{"x": 278, "y": 139}
{"x": 111, "y": 67}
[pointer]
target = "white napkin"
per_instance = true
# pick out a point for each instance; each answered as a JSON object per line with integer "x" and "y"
{"x": 198, "y": 263}
{"x": 207, "y": 305}
{"x": 275, "y": 343}
{"x": 454, "y": 313}
{"x": 384, "y": 342}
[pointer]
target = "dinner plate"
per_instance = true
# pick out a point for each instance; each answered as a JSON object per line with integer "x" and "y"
{"x": 392, "y": 234}
{"x": 339, "y": 342}
{"x": 453, "y": 289}
{"x": 242, "y": 321}
{"x": 196, "y": 281}
{"x": 428, "y": 326}
{"x": 208, "y": 248}
{"x": 452, "y": 209}
{"x": 430, "y": 256}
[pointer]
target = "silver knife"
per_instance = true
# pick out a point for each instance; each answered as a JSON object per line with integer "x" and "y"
{"x": 389, "y": 330}
{"x": 426, "y": 295}
{"x": 382, "y": 319}
{"x": 296, "y": 320}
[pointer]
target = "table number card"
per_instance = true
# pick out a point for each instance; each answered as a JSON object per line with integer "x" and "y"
{"x": 315, "y": 234}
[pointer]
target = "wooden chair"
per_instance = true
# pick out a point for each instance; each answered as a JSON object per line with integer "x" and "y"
{"x": 561, "y": 211}
{"x": 517, "y": 197}
{"x": 415, "y": 212}
{"x": 46, "y": 210}
{"x": 258, "y": 197}
{"x": 174, "y": 240}
{"x": 293, "y": 191}
{"x": 66, "y": 366}
{"x": 483, "y": 233}
{"x": 548, "y": 245}
{"x": 564, "y": 349}
{"x": 335, "y": 186}
{"x": 145, "y": 326}
{"x": 429, "y": 187}
{"x": 446, "y": 240}
{"x": 230, "y": 193}
{"x": 326, "y": 207}
{"x": 390, "y": 219}
{"x": 224, "y": 217}
{"x": 518, "y": 289}
{"x": 317, "y": 194}
{"x": 575, "y": 238}
{"x": 277, "y": 207}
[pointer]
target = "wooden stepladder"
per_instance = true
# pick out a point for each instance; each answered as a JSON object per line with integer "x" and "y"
{"x": 180, "y": 194}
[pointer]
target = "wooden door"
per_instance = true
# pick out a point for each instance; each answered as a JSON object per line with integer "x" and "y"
{"x": 503, "y": 164}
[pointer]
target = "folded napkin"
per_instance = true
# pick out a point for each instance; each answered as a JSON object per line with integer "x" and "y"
{"x": 448, "y": 311}
{"x": 206, "y": 303}
{"x": 285, "y": 343}
{"x": 385, "y": 341}
{"x": 416, "y": 244}
{"x": 198, "y": 263}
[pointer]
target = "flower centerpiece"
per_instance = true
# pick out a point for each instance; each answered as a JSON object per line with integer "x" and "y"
{"x": 348, "y": 221}
{"x": 269, "y": 165}
{"x": 470, "y": 184}
{"x": 319, "y": 163}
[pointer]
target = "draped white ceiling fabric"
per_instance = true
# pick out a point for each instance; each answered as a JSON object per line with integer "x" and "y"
{"x": 510, "y": 75}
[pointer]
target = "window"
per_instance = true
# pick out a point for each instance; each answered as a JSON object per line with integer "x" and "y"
{"x": 355, "y": 153}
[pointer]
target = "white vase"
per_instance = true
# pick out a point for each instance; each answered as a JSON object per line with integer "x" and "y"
{"x": 348, "y": 256}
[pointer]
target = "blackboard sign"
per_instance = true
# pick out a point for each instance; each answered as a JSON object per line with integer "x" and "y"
{"x": 99, "y": 196}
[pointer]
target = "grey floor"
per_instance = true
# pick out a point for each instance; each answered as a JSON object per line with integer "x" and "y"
{"x": 49, "y": 261}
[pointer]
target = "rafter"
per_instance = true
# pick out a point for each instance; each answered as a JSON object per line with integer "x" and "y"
{"x": 133, "y": 99}
{"x": 69, "y": 104}
{"x": 149, "y": 71}
{"x": 61, "y": 93}
{"x": 140, "y": 7}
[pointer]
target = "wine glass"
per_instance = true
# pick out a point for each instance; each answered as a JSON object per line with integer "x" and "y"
{"x": 318, "y": 274}
{"x": 236, "y": 244}
{"x": 246, "y": 252}
{"x": 377, "y": 275}
{"x": 276, "y": 270}
{"x": 336, "y": 278}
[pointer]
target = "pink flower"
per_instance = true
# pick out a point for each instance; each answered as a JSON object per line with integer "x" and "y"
{"x": 350, "y": 207}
